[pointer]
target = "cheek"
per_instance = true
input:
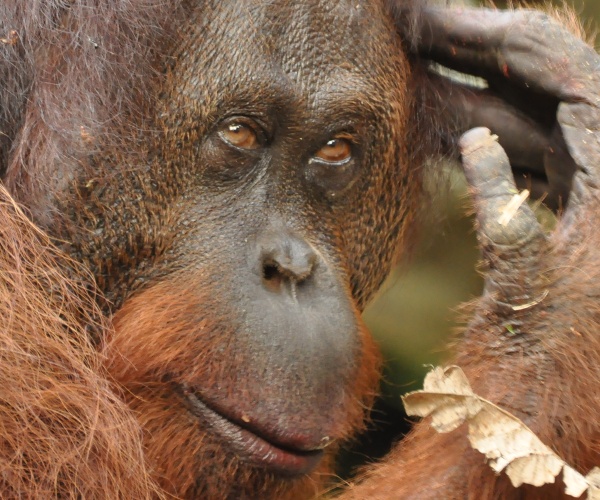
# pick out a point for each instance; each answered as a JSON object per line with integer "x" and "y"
{"x": 376, "y": 222}
{"x": 196, "y": 332}
{"x": 380, "y": 227}
{"x": 179, "y": 332}
{"x": 158, "y": 330}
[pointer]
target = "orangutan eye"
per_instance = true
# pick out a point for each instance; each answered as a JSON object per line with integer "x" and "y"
{"x": 240, "y": 135}
{"x": 337, "y": 150}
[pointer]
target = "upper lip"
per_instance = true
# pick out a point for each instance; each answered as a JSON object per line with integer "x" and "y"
{"x": 250, "y": 441}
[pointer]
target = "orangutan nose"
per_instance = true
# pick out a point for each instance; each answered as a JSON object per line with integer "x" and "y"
{"x": 287, "y": 261}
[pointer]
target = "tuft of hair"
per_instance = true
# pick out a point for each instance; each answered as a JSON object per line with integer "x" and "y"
{"x": 72, "y": 74}
{"x": 64, "y": 432}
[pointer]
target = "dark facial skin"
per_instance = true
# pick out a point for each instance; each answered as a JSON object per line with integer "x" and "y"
{"x": 276, "y": 192}
{"x": 237, "y": 176}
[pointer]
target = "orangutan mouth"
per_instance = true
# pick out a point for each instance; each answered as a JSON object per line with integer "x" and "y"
{"x": 249, "y": 443}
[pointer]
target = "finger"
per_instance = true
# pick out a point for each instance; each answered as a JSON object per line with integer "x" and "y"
{"x": 524, "y": 140}
{"x": 560, "y": 168}
{"x": 580, "y": 125}
{"x": 465, "y": 107}
{"x": 553, "y": 183}
{"x": 537, "y": 154}
{"x": 510, "y": 237}
{"x": 524, "y": 47}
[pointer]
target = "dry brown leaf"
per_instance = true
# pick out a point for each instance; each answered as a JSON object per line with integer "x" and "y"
{"x": 593, "y": 479}
{"x": 508, "y": 444}
{"x": 576, "y": 484}
{"x": 447, "y": 396}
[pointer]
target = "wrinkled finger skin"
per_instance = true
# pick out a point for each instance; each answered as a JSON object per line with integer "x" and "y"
{"x": 532, "y": 341}
{"x": 526, "y": 51}
{"x": 536, "y": 148}
{"x": 509, "y": 247}
{"x": 527, "y": 48}
{"x": 531, "y": 64}
{"x": 488, "y": 173}
{"x": 528, "y": 59}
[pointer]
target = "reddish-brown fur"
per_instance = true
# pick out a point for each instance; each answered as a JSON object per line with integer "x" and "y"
{"x": 548, "y": 378}
{"x": 88, "y": 73}
{"x": 546, "y": 374}
{"x": 68, "y": 429}
{"x": 64, "y": 431}
{"x": 159, "y": 317}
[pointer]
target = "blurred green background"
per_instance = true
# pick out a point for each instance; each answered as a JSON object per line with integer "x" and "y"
{"x": 414, "y": 316}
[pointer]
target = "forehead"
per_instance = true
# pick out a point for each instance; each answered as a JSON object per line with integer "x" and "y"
{"x": 285, "y": 42}
{"x": 314, "y": 33}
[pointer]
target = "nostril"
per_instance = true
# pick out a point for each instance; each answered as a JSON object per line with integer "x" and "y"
{"x": 287, "y": 263}
{"x": 272, "y": 276}
{"x": 270, "y": 272}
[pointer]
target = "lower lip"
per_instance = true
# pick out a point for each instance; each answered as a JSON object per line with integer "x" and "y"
{"x": 251, "y": 447}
